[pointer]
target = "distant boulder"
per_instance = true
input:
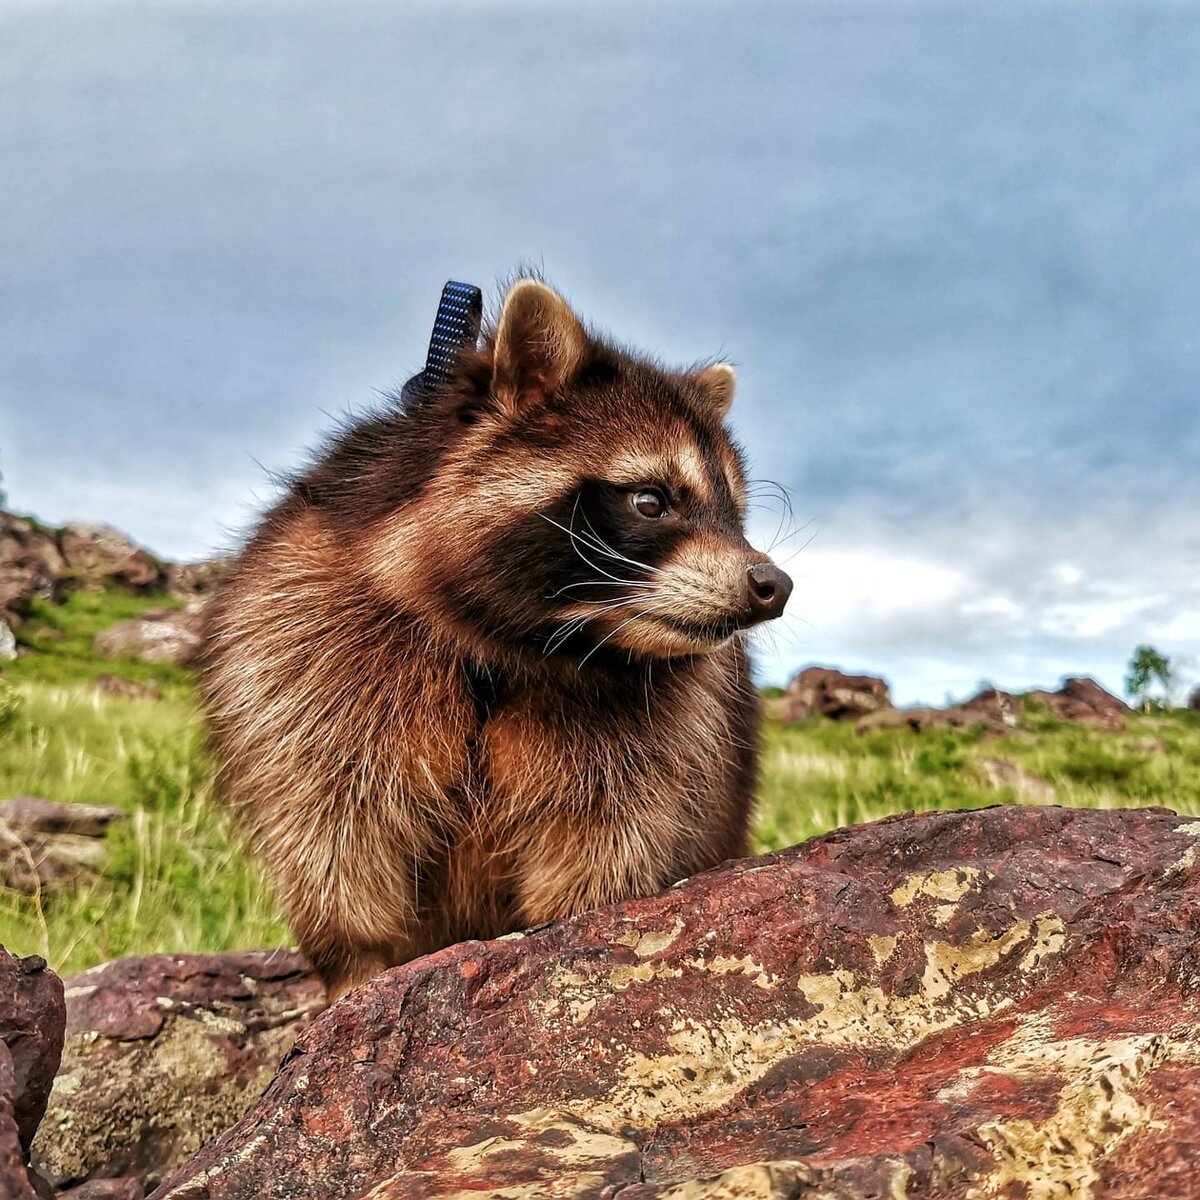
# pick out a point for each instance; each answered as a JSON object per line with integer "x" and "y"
{"x": 46, "y": 846}
{"x": 831, "y": 693}
{"x": 41, "y": 563}
{"x": 157, "y": 636}
{"x": 1003, "y": 707}
{"x": 186, "y": 580}
{"x": 921, "y": 719}
{"x": 1085, "y": 701}
{"x": 98, "y": 554}
{"x": 115, "y": 685}
{"x": 30, "y": 566}
{"x": 1194, "y": 700}
{"x": 995, "y": 712}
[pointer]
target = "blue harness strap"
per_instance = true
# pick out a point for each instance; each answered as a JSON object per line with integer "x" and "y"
{"x": 459, "y": 314}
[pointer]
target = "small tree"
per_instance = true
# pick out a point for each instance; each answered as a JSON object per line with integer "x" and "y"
{"x": 1147, "y": 667}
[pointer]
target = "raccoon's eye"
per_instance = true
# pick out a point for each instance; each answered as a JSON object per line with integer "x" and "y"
{"x": 650, "y": 502}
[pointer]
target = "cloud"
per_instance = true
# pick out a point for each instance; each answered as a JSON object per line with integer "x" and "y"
{"x": 939, "y": 612}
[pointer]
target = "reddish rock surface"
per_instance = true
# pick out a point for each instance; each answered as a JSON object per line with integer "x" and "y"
{"x": 164, "y": 1052}
{"x": 975, "y": 1004}
{"x": 32, "y": 1018}
{"x": 831, "y": 693}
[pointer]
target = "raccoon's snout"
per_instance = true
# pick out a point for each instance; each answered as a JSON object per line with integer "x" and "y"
{"x": 768, "y": 589}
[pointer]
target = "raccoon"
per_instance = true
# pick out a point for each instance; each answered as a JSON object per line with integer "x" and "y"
{"x": 483, "y": 667}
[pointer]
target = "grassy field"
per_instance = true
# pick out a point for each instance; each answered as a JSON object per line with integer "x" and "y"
{"x": 177, "y": 880}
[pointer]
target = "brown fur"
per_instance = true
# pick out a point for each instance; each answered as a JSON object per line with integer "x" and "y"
{"x": 437, "y": 703}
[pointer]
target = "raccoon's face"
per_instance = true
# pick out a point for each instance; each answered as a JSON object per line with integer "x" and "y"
{"x": 589, "y": 504}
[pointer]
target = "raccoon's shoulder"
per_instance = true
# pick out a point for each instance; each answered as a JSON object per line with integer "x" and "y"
{"x": 370, "y": 467}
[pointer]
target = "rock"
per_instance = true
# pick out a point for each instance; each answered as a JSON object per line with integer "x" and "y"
{"x": 45, "y": 846}
{"x": 1194, "y": 700}
{"x": 8, "y": 641}
{"x": 1147, "y": 745}
{"x": 921, "y": 719}
{"x": 31, "y": 864}
{"x": 1002, "y": 707}
{"x": 114, "y": 685}
{"x": 32, "y": 814}
{"x": 157, "y": 636}
{"x": 1000, "y": 774}
{"x": 106, "y": 1189}
{"x": 185, "y": 580}
{"x": 962, "y": 1004}
{"x": 163, "y": 1053}
{"x": 98, "y": 554}
{"x": 1085, "y": 701}
{"x": 831, "y": 693}
{"x": 32, "y": 1020}
{"x": 30, "y": 565}
{"x": 32, "y": 1017}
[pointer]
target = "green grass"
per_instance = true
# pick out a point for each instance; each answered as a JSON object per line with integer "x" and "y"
{"x": 177, "y": 879}
{"x": 819, "y": 774}
{"x": 61, "y": 637}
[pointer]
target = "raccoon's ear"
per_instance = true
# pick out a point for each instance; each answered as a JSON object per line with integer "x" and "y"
{"x": 716, "y": 385}
{"x": 540, "y": 344}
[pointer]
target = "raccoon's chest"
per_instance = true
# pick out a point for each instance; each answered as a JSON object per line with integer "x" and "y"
{"x": 586, "y": 752}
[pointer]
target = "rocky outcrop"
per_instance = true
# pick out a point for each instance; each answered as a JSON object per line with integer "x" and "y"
{"x": 38, "y": 562}
{"x": 45, "y": 845}
{"x": 30, "y": 565}
{"x": 32, "y": 1017}
{"x": 159, "y": 635}
{"x": 1085, "y": 701}
{"x": 1002, "y": 708}
{"x": 98, "y": 554}
{"x": 993, "y": 1003}
{"x": 831, "y": 693}
{"x": 187, "y": 580}
{"x": 1082, "y": 701}
{"x": 920, "y": 719}
{"x": 162, "y": 1054}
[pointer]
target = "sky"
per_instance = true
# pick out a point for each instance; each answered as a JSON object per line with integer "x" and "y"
{"x": 951, "y": 248}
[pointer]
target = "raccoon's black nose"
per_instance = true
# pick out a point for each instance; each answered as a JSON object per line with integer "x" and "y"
{"x": 769, "y": 589}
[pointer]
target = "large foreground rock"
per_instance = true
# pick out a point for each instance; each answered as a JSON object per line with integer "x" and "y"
{"x": 32, "y": 1017}
{"x": 162, "y": 1054}
{"x": 979, "y": 1004}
